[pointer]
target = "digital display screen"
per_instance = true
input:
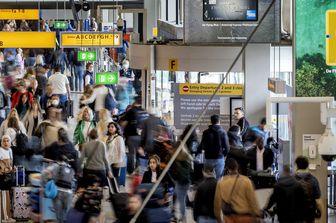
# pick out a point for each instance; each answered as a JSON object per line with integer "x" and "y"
{"x": 230, "y": 10}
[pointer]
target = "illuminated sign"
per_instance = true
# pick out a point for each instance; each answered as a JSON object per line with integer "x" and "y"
{"x": 91, "y": 39}
{"x": 27, "y": 39}
{"x": 107, "y": 78}
{"x": 61, "y": 25}
{"x": 28, "y": 14}
{"x": 87, "y": 56}
{"x": 209, "y": 89}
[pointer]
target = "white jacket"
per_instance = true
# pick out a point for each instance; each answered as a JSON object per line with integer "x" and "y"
{"x": 116, "y": 151}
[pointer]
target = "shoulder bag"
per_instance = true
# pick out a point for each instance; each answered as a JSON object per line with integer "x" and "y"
{"x": 227, "y": 206}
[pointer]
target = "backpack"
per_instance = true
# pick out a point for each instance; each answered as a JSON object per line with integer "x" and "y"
{"x": 64, "y": 175}
{"x": 312, "y": 209}
{"x": 141, "y": 115}
{"x": 3, "y": 100}
{"x": 21, "y": 144}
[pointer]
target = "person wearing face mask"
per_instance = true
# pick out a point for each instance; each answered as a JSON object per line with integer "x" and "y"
{"x": 6, "y": 167}
{"x": 54, "y": 102}
{"x": 127, "y": 77}
{"x": 88, "y": 76}
{"x": 83, "y": 128}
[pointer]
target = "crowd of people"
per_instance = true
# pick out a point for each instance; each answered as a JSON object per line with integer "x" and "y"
{"x": 116, "y": 138}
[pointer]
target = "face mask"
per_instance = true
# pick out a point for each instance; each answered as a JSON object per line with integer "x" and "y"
{"x": 125, "y": 66}
{"x": 55, "y": 102}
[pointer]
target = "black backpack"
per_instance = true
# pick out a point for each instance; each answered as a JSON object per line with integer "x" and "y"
{"x": 65, "y": 175}
{"x": 21, "y": 144}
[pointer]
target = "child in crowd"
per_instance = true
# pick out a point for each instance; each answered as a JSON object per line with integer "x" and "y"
{"x": 153, "y": 172}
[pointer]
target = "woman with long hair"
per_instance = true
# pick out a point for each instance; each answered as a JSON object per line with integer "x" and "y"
{"x": 104, "y": 119}
{"x": 4, "y": 124}
{"x": 33, "y": 118}
{"x": 116, "y": 149}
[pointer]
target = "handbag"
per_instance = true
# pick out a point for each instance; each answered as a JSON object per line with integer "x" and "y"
{"x": 227, "y": 206}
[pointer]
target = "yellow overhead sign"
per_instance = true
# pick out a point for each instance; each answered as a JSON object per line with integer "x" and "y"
{"x": 209, "y": 89}
{"x": 27, "y": 39}
{"x": 28, "y": 14}
{"x": 91, "y": 39}
{"x": 330, "y": 37}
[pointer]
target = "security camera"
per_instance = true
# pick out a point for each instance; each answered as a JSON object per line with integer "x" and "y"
{"x": 327, "y": 146}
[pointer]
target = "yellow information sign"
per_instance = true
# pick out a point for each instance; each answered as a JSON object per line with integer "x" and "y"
{"x": 173, "y": 65}
{"x": 28, "y": 14}
{"x": 209, "y": 89}
{"x": 330, "y": 37}
{"x": 90, "y": 39}
{"x": 27, "y": 39}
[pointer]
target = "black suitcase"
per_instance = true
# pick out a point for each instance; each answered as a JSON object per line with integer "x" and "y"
{"x": 119, "y": 200}
{"x": 70, "y": 108}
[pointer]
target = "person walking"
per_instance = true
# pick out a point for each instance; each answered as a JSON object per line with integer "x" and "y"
{"x": 235, "y": 195}
{"x": 289, "y": 199}
{"x": 215, "y": 144}
{"x": 95, "y": 155}
{"x": 310, "y": 186}
{"x": 204, "y": 197}
{"x": 60, "y": 85}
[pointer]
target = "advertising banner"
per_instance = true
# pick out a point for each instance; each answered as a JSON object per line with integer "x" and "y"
{"x": 189, "y": 103}
{"x": 315, "y": 50}
{"x": 230, "y": 21}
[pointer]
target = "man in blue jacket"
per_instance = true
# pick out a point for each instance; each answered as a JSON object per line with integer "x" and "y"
{"x": 215, "y": 144}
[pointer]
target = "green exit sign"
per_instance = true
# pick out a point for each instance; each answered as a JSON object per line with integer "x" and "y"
{"x": 87, "y": 56}
{"x": 107, "y": 78}
{"x": 60, "y": 25}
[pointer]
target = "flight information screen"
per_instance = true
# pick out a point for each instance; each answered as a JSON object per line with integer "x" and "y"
{"x": 230, "y": 10}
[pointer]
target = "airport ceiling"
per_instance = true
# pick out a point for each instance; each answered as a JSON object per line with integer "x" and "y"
{"x": 52, "y": 4}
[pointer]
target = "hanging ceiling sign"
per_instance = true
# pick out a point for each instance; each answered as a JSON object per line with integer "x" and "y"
{"x": 27, "y": 39}
{"x": 28, "y": 14}
{"x": 91, "y": 39}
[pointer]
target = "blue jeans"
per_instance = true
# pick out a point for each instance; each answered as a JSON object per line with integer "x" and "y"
{"x": 79, "y": 73}
{"x": 63, "y": 99}
{"x": 205, "y": 219}
{"x": 181, "y": 195}
{"x": 217, "y": 164}
{"x": 62, "y": 204}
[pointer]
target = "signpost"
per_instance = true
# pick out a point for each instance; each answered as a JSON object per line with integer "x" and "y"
{"x": 27, "y": 39}
{"x": 27, "y": 14}
{"x": 91, "y": 39}
{"x": 173, "y": 65}
{"x": 87, "y": 56}
{"x": 61, "y": 25}
{"x": 107, "y": 78}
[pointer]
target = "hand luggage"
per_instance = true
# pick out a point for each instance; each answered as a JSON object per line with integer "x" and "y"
{"x": 119, "y": 200}
{"x": 70, "y": 108}
{"x": 21, "y": 208}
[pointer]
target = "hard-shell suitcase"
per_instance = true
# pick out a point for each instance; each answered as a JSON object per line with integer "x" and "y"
{"x": 21, "y": 208}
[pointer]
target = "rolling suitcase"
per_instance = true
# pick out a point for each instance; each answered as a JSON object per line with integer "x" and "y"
{"x": 70, "y": 108}
{"x": 119, "y": 200}
{"x": 21, "y": 208}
